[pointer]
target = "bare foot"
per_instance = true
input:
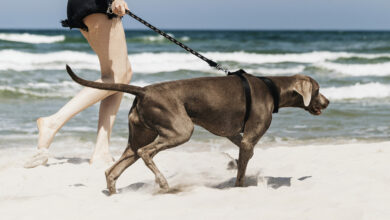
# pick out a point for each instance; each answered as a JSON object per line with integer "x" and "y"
{"x": 104, "y": 158}
{"x": 38, "y": 159}
{"x": 47, "y": 131}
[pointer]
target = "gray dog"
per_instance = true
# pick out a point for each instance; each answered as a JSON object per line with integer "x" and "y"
{"x": 163, "y": 115}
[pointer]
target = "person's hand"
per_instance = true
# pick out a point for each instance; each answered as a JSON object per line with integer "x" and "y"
{"x": 119, "y": 7}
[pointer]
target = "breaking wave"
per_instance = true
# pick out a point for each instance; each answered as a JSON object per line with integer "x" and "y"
{"x": 158, "y": 38}
{"x": 148, "y": 63}
{"x": 65, "y": 89}
{"x": 379, "y": 69}
{"x": 358, "y": 91}
{"x": 31, "y": 38}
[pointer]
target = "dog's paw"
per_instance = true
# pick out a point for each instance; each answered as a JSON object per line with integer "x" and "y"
{"x": 38, "y": 159}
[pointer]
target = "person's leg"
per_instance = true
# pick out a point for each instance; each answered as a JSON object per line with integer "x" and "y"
{"x": 107, "y": 39}
{"x": 113, "y": 60}
{"x": 107, "y": 114}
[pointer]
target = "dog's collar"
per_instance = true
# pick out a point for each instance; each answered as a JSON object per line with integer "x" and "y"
{"x": 274, "y": 92}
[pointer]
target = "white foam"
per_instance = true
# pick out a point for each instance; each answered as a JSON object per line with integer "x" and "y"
{"x": 23, "y": 61}
{"x": 168, "y": 62}
{"x": 311, "y": 57}
{"x": 277, "y": 71}
{"x": 64, "y": 89}
{"x": 69, "y": 89}
{"x": 142, "y": 62}
{"x": 61, "y": 89}
{"x": 185, "y": 38}
{"x": 379, "y": 69}
{"x": 31, "y": 38}
{"x": 140, "y": 83}
{"x": 159, "y": 38}
{"x": 358, "y": 91}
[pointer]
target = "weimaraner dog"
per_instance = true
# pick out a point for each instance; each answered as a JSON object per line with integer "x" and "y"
{"x": 163, "y": 115}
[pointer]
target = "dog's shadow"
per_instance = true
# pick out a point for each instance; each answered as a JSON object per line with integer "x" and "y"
{"x": 255, "y": 180}
{"x": 130, "y": 188}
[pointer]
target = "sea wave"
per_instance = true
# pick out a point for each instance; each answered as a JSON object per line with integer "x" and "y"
{"x": 157, "y": 38}
{"x": 358, "y": 91}
{"x": 277, "y": 71}
{"x": 64, "y": 89}
{"x": 67, "y": 89}
{"x": 24, "y": 61}
{"x": 41, "y": 90}
{"x": 311, "y": 57}
{"x": 378, "y": 69}
{"x": 148, "y": 63}
{"x": 31, "y": 38}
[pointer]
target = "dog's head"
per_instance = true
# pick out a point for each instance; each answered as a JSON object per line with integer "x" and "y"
{"x": 309, "y": 97}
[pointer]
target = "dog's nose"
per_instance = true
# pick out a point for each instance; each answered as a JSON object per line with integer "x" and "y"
{"x": 326, "y": 103}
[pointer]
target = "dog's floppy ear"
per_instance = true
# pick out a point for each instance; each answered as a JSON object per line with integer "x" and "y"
{"x": 304, "y": 88}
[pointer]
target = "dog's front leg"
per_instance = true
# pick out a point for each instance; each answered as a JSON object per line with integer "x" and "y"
{"x": 247, "y": 145}
{"x": 246, "y": 153}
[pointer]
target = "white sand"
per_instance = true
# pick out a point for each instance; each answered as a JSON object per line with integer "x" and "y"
{"x": 344, "y": 182}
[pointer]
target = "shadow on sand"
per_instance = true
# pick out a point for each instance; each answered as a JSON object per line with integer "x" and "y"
{"x": 272, "y": 182}
{"x": 71, "y": 160}
{"x": 269, "y": 181}
{"x": 130, "y": 188}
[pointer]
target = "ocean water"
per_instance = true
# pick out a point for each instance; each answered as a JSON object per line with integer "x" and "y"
{"x": 353, "y": 69}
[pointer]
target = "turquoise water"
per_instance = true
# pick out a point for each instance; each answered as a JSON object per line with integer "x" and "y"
{"x": 353, "y": 69}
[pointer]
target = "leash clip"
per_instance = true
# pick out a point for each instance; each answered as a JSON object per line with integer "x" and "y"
{"x": 219, "y": 67}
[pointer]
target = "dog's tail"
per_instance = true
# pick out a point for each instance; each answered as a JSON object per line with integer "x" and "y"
{"x": 135, "y": 90}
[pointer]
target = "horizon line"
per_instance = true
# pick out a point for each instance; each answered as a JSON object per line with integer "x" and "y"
{"x": 213, "y": 29}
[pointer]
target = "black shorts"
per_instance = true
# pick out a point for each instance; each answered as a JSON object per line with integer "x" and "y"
{"x": 79, "y": 9}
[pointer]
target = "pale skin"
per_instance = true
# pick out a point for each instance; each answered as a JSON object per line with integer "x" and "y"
{"x": 107, "y": 39}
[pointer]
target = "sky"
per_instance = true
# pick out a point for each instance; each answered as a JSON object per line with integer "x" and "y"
{"x": 218, "y": 14}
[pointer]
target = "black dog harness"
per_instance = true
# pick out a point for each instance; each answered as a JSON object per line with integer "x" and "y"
{"x": 248, "y": 97}
{"x": 240, "y": 73}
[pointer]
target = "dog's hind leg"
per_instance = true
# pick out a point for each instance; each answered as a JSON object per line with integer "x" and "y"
{"x": 168, "y": 139}
{"x": 139, "y": 136}
{"x": 113, "y": 173}
{"x": 236, "y": 139}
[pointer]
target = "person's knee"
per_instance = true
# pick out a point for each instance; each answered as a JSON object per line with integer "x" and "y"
{"x": 128, "y": 75}
{"x": 123, "y": 76}
{"x": 117, "y": 75}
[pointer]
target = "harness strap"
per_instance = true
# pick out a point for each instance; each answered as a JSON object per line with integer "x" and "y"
{"x": 247, "y": 91}
{"x": 274, "y": 92}
{"x": 248, "y": 96}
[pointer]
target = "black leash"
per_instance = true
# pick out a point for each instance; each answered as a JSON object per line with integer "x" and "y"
{"x": 180, "y": 44}
{"x": 271, "y": 86}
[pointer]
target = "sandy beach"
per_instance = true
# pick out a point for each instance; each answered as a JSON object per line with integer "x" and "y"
{"x": 332, "y": 167}
{"x": 348, "y": 181}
